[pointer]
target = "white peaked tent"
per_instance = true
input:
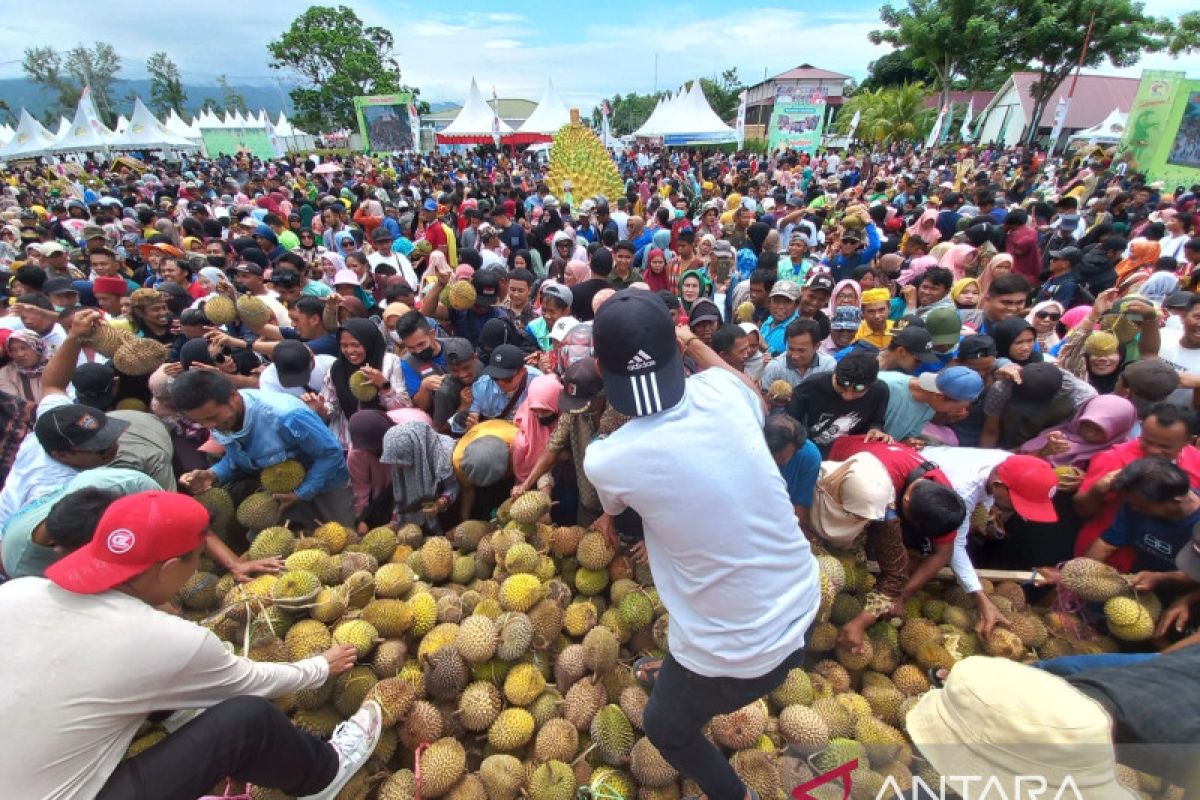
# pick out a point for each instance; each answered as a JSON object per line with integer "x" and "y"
{"x": 1110, "y": 130}
{"x": 121, "y": 125}
{"x": 6, "y": 134}
{"x": 175, "y": 124}
{"x": 230, "y": 121}
{"x": 29, "y": 140}
{"x": 86, "y": 132}
{"x": 64, "y": 125}
{"x": 687, "y": 118}
{"x": 293, "y": 137}
{"x": 546, "y": 120}
{"x": 474, "y": 123}
{"x": 145, "y": 132}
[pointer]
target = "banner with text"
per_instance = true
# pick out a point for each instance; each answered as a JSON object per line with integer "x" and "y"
{"x": 796, "y": 124}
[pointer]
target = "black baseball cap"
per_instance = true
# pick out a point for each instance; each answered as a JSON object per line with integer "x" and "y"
{"x": 581, "y": 383}
{"x": 293, "y": 363}
{"x": 255, "y": 256}
{"x": 977, "y": 346}
{"x": 1174, "y": 299}
{"x": 1072, "y": 254}
{"x": 505, "y": 361}
{"x": 457, "y": 350}
{"x": 487, "y": 287}
{"x": 382, "y": 234}
{"x": 916, "y": 341}
{"x": 93, "y": 385}
{"x": 634, "y": 341}
{"x": 250, "y": 267}
{"x": 76, "y": 427}
{"x": 819, "y": 281}
{"x": 59, "y": 286}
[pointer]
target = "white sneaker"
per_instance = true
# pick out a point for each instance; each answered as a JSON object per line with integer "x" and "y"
{"x": 354, "y": 740}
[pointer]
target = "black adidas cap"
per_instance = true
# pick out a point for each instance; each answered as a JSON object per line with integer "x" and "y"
{"x": 634, "y": 340}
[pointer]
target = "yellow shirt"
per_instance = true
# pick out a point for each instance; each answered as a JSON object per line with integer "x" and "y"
{"x": 880, "y": 340}
{"x": 502, "y": 428}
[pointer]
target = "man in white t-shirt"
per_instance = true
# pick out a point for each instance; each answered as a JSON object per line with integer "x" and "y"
{"x": 1180, "y": 347}
{"x": 730, "y": 563}
{"x": 104, "y": 598}
{"x": 295, "y": 370}
{"x": 381, "y": 241}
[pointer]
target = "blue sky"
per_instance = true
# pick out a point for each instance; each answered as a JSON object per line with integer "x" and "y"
{"x": 591, "y": 50}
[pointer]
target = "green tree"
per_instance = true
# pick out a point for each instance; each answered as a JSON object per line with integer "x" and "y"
{"x": 166, "y": 87}
{"x": 896, "y": 69}
{"x": 66, "y": 74}
{"x": 230, "y": 98}
{"x": 1185, "y": 38}
{"x": 953, "y": 38}
{"x": 723, "y": 93}
{"x": 335, "y": 58}
{"x": 628, "y": 112}
{"x": 1049, "y": 35}
{"x": 889, "y": 114}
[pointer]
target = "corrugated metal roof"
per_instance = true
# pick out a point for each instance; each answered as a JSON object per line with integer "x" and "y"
{"x": 1095, "y": 98}
{"x": 805, "y": 72}
{"x": 979, "y": 99}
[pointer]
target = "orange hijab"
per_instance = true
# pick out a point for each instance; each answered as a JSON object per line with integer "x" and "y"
{"x": 1142, "y": 253}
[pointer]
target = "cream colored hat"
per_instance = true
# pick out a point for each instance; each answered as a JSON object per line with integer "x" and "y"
{"x": 848, "y": 495}
{"x": 997, "y": 719}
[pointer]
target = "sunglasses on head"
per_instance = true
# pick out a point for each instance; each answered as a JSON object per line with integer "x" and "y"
{"x": 1049, "y": 315}
{"x": 858, "y": 387}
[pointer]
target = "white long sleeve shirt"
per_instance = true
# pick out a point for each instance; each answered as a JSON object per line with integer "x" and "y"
{"x": 81, "y": 672}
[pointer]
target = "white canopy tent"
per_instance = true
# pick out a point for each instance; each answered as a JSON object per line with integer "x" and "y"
{"x": 546, "y": 120}
{"x": 1110, "y": 130}
{"x": 295, "y": 138}
{"x": 64, "y": 125}
{"x": 145, "y": 132}
{"x": 475, "y": 122}
{"x": 6, "y": 134}
{"x": 122, "y": 124}
{"x": 686, "y": 118}
{"x": 86, "y": 133}
{"x": 175, "y": 124}
{"x": 29, "y": 140}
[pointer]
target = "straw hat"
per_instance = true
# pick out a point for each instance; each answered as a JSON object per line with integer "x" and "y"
{"x": 999, "y": 719}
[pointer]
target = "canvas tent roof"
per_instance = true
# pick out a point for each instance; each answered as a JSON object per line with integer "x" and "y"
{"x": 1110, "y": 129}
{"x": 29, "y": 140}
{"x": 6, "y": 134}
{"x": 175, "y": 124}
{"x": 546, "y": 120}
{"x": 145, "y": 132}
{"x": 86, "y": 132}
{"x": 474, "y": 122}
{"x": 687, "y": 119}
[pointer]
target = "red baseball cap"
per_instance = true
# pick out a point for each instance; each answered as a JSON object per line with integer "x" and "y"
{"x": 1031, "y": 484}
{"x": 136, "y": 532}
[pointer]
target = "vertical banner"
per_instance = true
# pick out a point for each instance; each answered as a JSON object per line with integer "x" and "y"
{"x": 1060, "y": 116}
{"x": 495, "y": 118}
{"x": 797, "y": 122}
{"x": 964, "y": 131}
{"x": 934, "y": 134}
{"x": 385, "y": 122}
{"x": 741, "y": 121}
{"x": 605, "y": 129}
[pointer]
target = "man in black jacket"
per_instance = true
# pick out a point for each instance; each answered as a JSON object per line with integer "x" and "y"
{"x": 1098, "y": 269}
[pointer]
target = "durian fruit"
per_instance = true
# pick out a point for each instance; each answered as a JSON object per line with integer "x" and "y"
{"x": 1128, "y": 619}
{"x": 577, "y": 155}
{"x": 648, "y": 766}
{"x": 362, "y": 387}
{"x": 359, "y": 633}
{"x": 612, "y": 734}
{"x": 107, "y": 340}
{"x": 556, "y": 739}
{"x": 395, "y": 697}
{"x": 479, "y": 706}
{"x": 779, "y": 392}
{"x": 443, "y": 763}
{"x": 200, "y": 592}
{"x": 460, "y": 295}
{"x": 252, "y": 311}
{"x": 804, "y": 729}
{"x": 258, "y": 511}
{"x": 140, "y": 356}
{"x": 219, "y": 505}
{"x": 502, "y": 776}
{"x": 400, "y": 785}
{"x": 271, "y": 542}
{"x": 1091, "y": 580}
{"x": 512, "y": 728}
{"x": 740, "y": 729}
{"x": 552, "y": 780}
{"x": 529, "y": 507}
{"x": 295, "y": 589}
{"x": 521, "y": 592}
{"x": 334, "y": 536}
{"x": 220, "y": 310}
{"x": 286, "y": 476}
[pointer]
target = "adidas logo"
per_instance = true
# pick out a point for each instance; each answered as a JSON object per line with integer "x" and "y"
{"x": 640, "y": 360}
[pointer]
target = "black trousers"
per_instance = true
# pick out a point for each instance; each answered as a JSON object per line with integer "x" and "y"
{"x": 683, "y": 702}
{"x": 244, "y": 738}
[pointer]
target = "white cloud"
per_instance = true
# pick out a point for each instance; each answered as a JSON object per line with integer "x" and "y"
{"x": 501, "y": 44}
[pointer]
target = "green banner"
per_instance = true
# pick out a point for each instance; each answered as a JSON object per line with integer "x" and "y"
{"x": 796, "y": 125}
{"x": 234, "y": 140}
{"x": 387, "y": 122}
{"x": 1162, "y": 137}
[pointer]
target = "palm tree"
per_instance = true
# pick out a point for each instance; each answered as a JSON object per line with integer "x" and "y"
{"x": 889, "y": 114}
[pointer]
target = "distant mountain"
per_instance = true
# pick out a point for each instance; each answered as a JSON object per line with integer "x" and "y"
{"x": 23, "y": 93}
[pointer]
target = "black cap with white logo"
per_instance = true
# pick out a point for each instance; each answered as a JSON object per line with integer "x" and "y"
{"x": 916, "y": 341}
{"x": 505, "y": 361}
{"x": 634, "y": 341}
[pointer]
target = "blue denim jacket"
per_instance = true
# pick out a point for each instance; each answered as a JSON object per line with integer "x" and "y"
{"x": 276, "y": 427}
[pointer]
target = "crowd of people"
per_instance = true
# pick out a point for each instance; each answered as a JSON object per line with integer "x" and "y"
{"x": 964, "y": 359}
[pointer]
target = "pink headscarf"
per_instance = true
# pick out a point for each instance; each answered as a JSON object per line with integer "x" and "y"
{"x": 1074, "y": 316}
{"x": 464, "y": 272}
{"x": 532, "y": 436}
{"x": 837, "y": 289}
{"x": 926, "y": 228}
{"x": 957, "y": 259}
{"x": 577, "y": 272}
{"x": 1114, "y": 414}
{"x": 989, "y": 272}
{"x": 915, "y": 269}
